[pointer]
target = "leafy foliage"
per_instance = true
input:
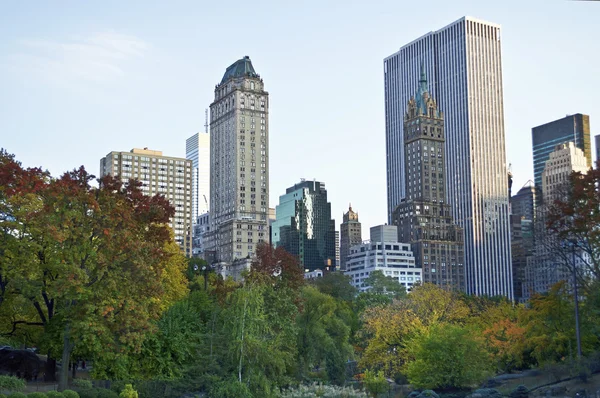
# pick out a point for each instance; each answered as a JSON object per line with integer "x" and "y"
{"x": 128, "y": 392}
{"x": 11, "y": 383}
{"x": 320, "y": 390}
{"x": 375, "y": 383}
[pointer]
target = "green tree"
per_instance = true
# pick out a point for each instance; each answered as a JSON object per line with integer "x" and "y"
{"x": 95, "y": 265}
{"x": 323, "y": 334}
{"x": 446, "y": 356}
{"x": 375, "y": 383}
{"x": 337, "y": 285}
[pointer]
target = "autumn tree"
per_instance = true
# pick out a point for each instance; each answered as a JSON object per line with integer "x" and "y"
{"x": 95, "y": 265}
{"x": 575, "y": 217}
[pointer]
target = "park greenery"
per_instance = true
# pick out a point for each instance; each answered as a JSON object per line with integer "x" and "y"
{"x": 92, "y": 272}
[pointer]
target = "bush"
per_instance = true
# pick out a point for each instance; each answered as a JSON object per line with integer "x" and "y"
{"x": 82, "y": 384}
{"x": 319, "y": 390}
{"x": 375, "y": 383}
{"x": 17, "y": 395}
{"x": 88, "y": 393}
{"x": 11, "y": 383}
{"x": 128, "y": 392}
{"x": 37, "y": 395}
{"x": 2, "y": 395}
{"x": 230, "y": 389}
{"x": 55, "y": 394}
{"x": 70, "y": 394}
{"x": 104, "y": 393}
{"x": 519, "y": 392}
{"x": 428, "y": 394}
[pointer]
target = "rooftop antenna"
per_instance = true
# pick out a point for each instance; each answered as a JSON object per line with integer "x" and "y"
{"x": 206, "y": 120}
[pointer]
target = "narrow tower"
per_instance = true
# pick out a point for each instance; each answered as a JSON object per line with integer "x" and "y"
{"x": 350, "y": 235}
{"x": 424, "y": 218}
{"x": 239, "y": 160}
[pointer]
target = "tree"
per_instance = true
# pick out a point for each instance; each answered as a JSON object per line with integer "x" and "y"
{"x": 375, "y": 383}
{"x": 278, "y": 266}
{"x": 576, "y": 217}
{"x": 337, "y": 285}
{"x": 323, "y": 334}
{"x": 446, "y": 356}
{"x": 95, "y": 265}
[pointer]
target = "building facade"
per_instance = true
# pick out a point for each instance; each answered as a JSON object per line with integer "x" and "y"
{"x": 159, "y": 175}
{"x": 463, "y": 61}
{"x": 523, "y": 206}
{"x": 392, "y": 258}
{"x": 197, "y": 149}
{"x": 350, "y": 235}
{"x": 545, "y": 138}
{"x": 239, "y": 163}
{"x": 550, "y": 264}
{"x": 424, "y": 217}
{"x": 199, "y": 229}
{"x": 304, "y": 226}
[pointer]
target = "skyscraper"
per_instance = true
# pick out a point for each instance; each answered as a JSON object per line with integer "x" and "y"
{"x": 163, "y": 175}
{"x": 350, "y": 235}
{"x": 239, "y": 163}
{"x": 197, "y": 149}
{"x": 424, "y": 217}
{"x": 304, "y": 227}
{"x": 572, "y": 128}
{"x": 522, "y": 236}
{"x": 549, "y": 264}
{"x": 463, "y": 61}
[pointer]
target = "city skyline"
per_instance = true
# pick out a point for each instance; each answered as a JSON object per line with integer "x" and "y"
{"x": 121, "y": 84}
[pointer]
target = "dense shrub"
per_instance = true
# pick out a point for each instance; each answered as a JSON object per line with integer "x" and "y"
{"x": 230, "y": 389}
{"x": 70, "y": 394}
{"x": 17, "y": 395}
{"x": 82, "y": 384}
{"x": 319, "y": 390}
{"x": 128, "y": 392}
{"x": 2, "y": 395}
{"x": 37, "y": 395}
{"x": 55, "y": 394}
{"x": 88, "y": 393}
{"x": 104, "y": 393}
{"x": 11, "y": 383}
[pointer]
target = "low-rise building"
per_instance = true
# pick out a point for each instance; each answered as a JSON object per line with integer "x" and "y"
{"x": 392, "y": 258}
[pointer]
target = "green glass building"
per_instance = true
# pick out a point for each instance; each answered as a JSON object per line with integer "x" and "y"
{"x": 304, "y": 227}
{"x": 572, "y": 128}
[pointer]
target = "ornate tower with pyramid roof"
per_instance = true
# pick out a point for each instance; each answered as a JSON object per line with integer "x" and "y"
{"x": 424, "y": 218}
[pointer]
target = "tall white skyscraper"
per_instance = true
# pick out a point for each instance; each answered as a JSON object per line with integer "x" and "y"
{"x": 239, "y": 164}
{"x": 463, "y": 63}
{"x": 197, "y": 149}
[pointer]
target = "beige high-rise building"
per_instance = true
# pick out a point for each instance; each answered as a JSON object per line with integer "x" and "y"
{"x": 350, "y": 235}
{"x": 239, "y": 164}
{"x": 163, "y": 175}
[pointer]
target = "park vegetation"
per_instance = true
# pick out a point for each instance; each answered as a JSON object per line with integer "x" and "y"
{"x": 92, "y": 272}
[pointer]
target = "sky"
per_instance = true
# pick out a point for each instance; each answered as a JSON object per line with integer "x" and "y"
{"x": 81, "y": 79}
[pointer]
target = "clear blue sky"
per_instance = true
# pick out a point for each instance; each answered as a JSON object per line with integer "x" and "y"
{"x": 80, "y": 79}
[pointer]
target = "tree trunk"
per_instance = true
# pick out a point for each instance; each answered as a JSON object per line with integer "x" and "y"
{"x": 63, "y": 380}
{"x": 50, "y": 370}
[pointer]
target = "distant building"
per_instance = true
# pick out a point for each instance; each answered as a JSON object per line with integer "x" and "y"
{"x": 549, "y": 265}
{"x": 464, "y": 63}
{"x": 197, "y": 149}
{"x": 239, "y": 163}
{"x": 572, "y": 128}
{"x": 350, "y": 235}
{"x": 163, "y": 175}
{"x": 597, "y": 139}
{"x": 200, "y": 229}
{"x": 522, "y": 235}
{"x": 304, "y": 226}
{"x": 392, "y": 258}
{"x": 424, "y": 218}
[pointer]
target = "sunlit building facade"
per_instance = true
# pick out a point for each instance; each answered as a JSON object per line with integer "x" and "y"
{"x": 304, "y": 226}
{"x": 463, "y": 62}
